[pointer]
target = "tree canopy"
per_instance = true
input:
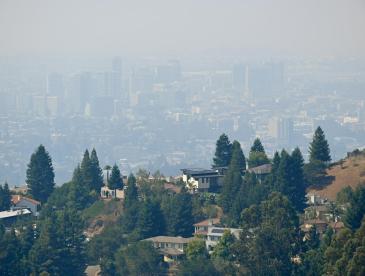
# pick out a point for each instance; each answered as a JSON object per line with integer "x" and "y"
{"x": 319, "y": 148}
{"x": 223, "y": 152}
{"x": 40, "y": 175}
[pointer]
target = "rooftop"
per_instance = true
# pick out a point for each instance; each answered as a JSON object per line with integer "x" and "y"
{"x": 17, "y": 198}
{"x": 207, "y": 222}
{"x": 168, "y": 239}
{"x": 9, "y": 214}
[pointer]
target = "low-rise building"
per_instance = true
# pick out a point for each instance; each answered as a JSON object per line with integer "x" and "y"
{"x": 203, "y": 180}
{"x": 215, "y": 234}
{"x": 201, "y": 228}
{"x": 172, "y": 248}
{"x": 9, "y": 217}
{"x": 21, "y": 202}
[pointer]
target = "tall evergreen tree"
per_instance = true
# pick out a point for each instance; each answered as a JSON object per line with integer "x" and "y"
{"x": 78, "y": 193}
{"x": 238, "y": 154}
{"x": 223, "y": 152}
{"x": 97, "y": 172}
{"x": 5, "y": 197}
{"x": 257, "y": 146}
{"x": 115, "y": 180}
{"x": 298, "y": 183}
{"x": 319, "y": 149}
{"x": 86, "y": 171}
{"x": 232, "y": 181}
{"x": 131, "y": 193}
{"x": 40, "y": 175}
{"x": 257, "y": 156}
{"x": 150, "y": 220}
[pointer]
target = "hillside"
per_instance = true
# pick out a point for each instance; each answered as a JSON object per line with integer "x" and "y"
{"x": 349, "y": 172}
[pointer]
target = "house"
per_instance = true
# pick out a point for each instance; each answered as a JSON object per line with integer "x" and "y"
{"x": 314, "y": 199}
{"x": 201, "y": 228}
{"x": 107, "y": 193}
{"x": 321, "y": 212}
{"x": 9, "y": 217}
{"x": 172, "y": 248}
{"x": 215, "y": 233}
{"x": 320, "y": 225}
{"x": 261, "y": 171}
{"x": 203, "y": 180}
{"x": 21, "y": 202}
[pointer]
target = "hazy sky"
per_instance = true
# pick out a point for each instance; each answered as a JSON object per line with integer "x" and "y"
{"x": 306, "y": 27}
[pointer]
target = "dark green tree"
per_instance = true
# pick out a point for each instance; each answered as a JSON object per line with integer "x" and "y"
{"x": 131, "y": 192}
{"x": 356, "y": 211}
{"x": 297, "y": 176}
{"x": 86, "y": 171}
{"x": 232, "y": 181}
{"x": 78, "y": 193}
{"x": 139, "y": 259}
{"x": 97, "y": 172}
{"x": 269, "y": 232}
{"x": 257, "y": 156}
{"x": 196, "y": 249}
{"x": 223, "y": 152}
{"x": 237, "y": 153}
{"x": 40, "y": 175}
{"x": 115, "y": 180}
{"x": 5, "y": 197}
{"x": 198, "y": 266}
{"x": 319, "y": 148}
{"x": 224, "y": 248}
{"x": 150, "y": 220}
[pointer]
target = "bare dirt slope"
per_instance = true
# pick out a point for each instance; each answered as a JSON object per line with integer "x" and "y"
{"x": 350, "y": 173}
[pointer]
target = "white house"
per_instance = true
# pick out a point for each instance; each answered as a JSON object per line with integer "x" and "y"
{"x": 215, "y": 233}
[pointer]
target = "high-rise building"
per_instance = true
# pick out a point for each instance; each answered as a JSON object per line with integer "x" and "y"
{"x": 55, "y": 85}
{"x": 281, "y": 129}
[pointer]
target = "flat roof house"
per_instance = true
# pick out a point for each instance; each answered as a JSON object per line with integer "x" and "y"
{"x": 203, "y": 180}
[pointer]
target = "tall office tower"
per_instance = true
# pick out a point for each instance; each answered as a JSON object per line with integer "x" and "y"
{"x": 241, "y": 80}
{"x": 55, "y": 85}
{"x": 281, "y": 129}
{"x": 267, "y": 80}
{"x": 168, "y": 73}
{"x": 116, "y": 79}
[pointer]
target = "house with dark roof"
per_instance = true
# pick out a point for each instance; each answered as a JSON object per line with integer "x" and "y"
{"x": 203, "y": 180}
{"x": 22, "y": 202}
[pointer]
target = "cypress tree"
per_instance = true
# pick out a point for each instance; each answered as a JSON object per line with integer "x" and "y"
{"x": 131, "y": 193}
{"x": 40, "y": 175}
{"x": 238, "y": 154}
{"x": 223, "y": 152}
{"x": 115, "y": 180}
{"x": 96, "y": 171}
{"x": 297, "y": 164}
{"x": 318, "y": 148}
{"x": 5, "y": 197}
{"x": 232, "y": 181}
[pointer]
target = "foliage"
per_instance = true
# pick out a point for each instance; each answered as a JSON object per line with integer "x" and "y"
{"x": 198, "y": 266}
{"x": 223, "y": 152}
{"x": 257, "y": 156}
{"x": 40, "y": 175}
{"x": 196, "y": 249}
{"x": 139, "y": 259}
{"x": 356, "y": 210}
{"x": 319, "y": 148}
{"x": 115, "y": 180}
{"x": 5, "y": 197}
{"x": 269, "y": 232}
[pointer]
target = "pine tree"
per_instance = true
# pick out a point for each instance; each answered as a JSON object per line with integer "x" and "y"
{"x": 78, "y": 194}
{"x": 223, "y": 152}
{"x": 131, "y": 192}
{"x": 40, "y": 175}
{"x": 257, "y": 156}
{"x": 86, "y": 171}
{"x": 115, "y": 180}
{"x": 150, "y": 220}
{"x": 232, "y": 181}
{"x": 257, "y": 146}
{"x": 97, "y": 173}
{"x": 237, "y": 153}
{"x": 319, "y": 149}
{"x": 298, "y": 183}
{"x": 5, "y": 197}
